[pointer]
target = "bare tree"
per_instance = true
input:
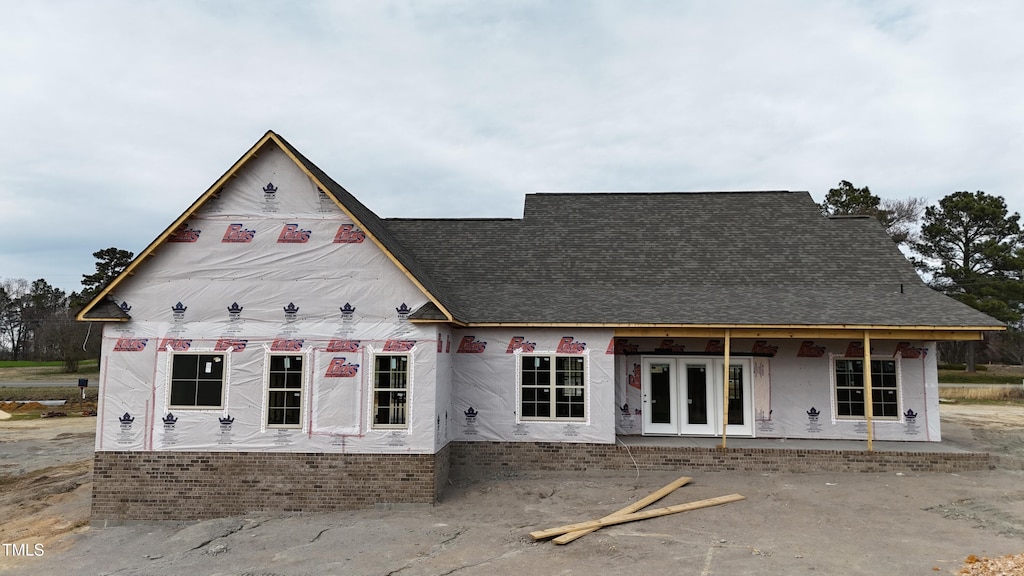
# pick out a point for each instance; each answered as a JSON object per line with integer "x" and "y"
{"x": 900, "y": 218}
{"x": 14, "y": 328}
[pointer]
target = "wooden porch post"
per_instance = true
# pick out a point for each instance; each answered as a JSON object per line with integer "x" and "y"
{"x": 868, "y": 400}
{"x": 725, "y": 386}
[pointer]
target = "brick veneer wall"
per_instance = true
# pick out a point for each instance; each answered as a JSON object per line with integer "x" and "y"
{"x": 469, "y": 457}
{"x": 200, "y": 485}
{"x": 442, "y": 462}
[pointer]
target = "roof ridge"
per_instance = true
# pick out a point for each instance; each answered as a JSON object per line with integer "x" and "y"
{"x": 665, "y": 192}
{"x": 471, "y": 219}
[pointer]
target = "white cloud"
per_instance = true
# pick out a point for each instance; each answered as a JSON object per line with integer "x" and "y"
{"x": 117, "y": 115}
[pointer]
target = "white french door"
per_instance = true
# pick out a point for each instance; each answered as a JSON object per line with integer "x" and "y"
{"x": 684, "y": 396}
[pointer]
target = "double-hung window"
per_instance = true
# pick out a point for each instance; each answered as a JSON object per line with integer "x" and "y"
{"x": 197, "y": 380}
{"x": 390, "y": 391}
{"x": 552, "y": 388}
{"x": 285, "y": 390}
{"x": 850, "y": 399}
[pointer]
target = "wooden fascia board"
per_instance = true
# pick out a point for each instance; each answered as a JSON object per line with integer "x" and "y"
{"x": 881, "y": 333}
{"x": 425, "y": 321}
{"x": 369, "y": 234}
{"x": 765, "y": 331}
{"x": 188, "y": 213}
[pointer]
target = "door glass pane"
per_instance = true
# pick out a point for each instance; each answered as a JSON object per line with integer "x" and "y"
{"x": 736, "y": 395}
{"x": 696, "y": 394}
{"x": 661, "y": 394}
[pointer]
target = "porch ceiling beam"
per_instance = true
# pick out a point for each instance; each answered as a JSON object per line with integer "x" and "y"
{"x": 796, "y": 333}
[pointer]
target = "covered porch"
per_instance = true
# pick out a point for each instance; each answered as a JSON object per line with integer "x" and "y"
{"x": 820, "y": 366}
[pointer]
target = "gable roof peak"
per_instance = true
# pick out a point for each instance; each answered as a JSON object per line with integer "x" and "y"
{"x": 363, "y": 217}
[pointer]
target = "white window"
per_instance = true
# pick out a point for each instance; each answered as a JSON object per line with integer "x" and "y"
{"x": 390, "y": 391}
{"x": 552, "y": 388}
{"x": 849, "y": 379}
{"x": 285, "y": 388}
{"x": 197, "y": 380}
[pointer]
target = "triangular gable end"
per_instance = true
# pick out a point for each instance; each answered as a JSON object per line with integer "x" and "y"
{"x": 99, "y": 309}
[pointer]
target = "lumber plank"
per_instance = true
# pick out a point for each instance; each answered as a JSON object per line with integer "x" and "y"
{"x": 634, "y": 507}
{"x": 718, "y": 500}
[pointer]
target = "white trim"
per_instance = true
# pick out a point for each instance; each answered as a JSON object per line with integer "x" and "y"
{"x": 303, "y": 424}
{"x": 836, "y": 418}
{"x": 370, "y": 387}
{"x": 587, "y": 388}
{"x": 224, "y": 378}
{"x": 717, "y": 374}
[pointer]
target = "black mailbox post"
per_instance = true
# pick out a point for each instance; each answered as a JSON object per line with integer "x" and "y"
{"x": 83, "y": 383}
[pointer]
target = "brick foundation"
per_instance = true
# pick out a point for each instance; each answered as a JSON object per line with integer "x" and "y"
{"x": 202, "y": 485}
{"x": 132, "y": 486}
{"x": 550, "y": 456}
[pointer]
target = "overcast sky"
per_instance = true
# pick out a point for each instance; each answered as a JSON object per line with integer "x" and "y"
{"x": 117, "y": 115}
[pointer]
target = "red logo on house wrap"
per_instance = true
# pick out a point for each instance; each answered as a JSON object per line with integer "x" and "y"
{"x": 399, "y": 345}
{"x": 287, "y": 344}
{"x": 238, "y": 233}
{"x": 520, "y": 343}
{"x": 339, "y": 368}
{"x": 176, "y": 344}
{"x": 292, "y": 234}
{"x": 621, "y": 346}
{"x": 809, "y": 350}
{"x": 855, "y": 349}
{"x": 715, "y": 347}
{"x": 568, "y": 345}
{"x": 349, "y": 234}
{"x": 236, "y": 344}
{"x": 762, "y": 347}
{"x": 905, "y": 350}
{"x": 337, "y": 345}
{"x": 669, "y": 345}
{"x": 127, "y": 344}
{"x": 470, "y": 345}
{"x": 184, "y": 234}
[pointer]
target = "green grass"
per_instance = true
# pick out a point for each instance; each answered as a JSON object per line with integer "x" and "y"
{"x": 21, "y": 371}
{"x": 23, "y": 417}
{"x": 33, "y": 364}
{"x": 960, "y": 377}
{"x": 39, "y": 373}
{"x": 69, "y": 393}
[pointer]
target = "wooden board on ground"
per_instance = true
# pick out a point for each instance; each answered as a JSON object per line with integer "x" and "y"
{"x": 610, "y": 521}
{"x": 634, "y": 507}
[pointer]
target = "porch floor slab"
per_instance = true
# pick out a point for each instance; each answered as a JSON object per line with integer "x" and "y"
{"x": 943, "y": 447}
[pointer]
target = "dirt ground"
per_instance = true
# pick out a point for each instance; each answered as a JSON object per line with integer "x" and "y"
{"x": 820, "y": 523}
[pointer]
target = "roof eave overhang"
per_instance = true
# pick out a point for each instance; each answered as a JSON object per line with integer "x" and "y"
{"x": 926, "y": 333}
{"x": 427, "y": 321}
{"x": 104, "y": 319}
{"x": 823, "y": 331}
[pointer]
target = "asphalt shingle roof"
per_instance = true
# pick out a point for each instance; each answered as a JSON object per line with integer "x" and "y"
{"x": 720, "y": 258}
